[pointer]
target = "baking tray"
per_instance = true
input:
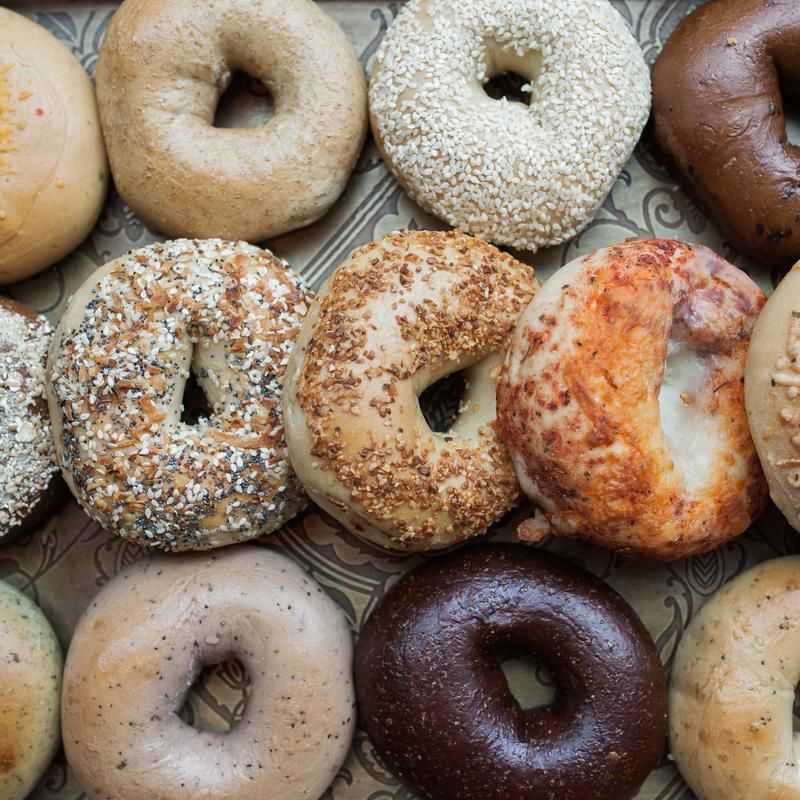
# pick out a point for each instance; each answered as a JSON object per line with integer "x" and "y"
{"x": 64, "y": 564}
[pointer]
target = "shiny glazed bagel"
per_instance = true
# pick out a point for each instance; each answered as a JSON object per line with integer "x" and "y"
{"x": 732, "y": 694}
{"x": 522, "y": 175}
{"x": 772, "y": 394}
{"x": 120, "y": 360}
{"x": 621, "y": 400}
{"x": 53, "y": 168}
{"x": 141, "y": 644}
{"x": 164, "y": 65}
{"x": 718, "y": 111}
{"x": 397, "y": 316}
{"x": 438, "y": 709}
{"x": 30, "y": 686}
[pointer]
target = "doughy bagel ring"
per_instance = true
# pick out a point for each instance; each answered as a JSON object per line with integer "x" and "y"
{"x": 397, "y": 316}
{"x": 525, "y": 176}
{"x": 732, "y": 694}
{"x": 437, "y": 707}
{"x": 139, "y": 647}
{"x": 622, "y": 404}
{"x": 772, "y": 394}
{"x": 718, "y": 111}
{"x": 162, "y": 69}
{"x": 117, "y": 370}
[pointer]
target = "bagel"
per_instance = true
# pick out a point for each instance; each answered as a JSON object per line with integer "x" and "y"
{"x": 117, "y": 370}
{"x": 53, "y": 168}
{"x": 397, "y": 316}
{"x": 527, "y": 176}
{"x": 161, "y": 72}
{"x": 621, "y": 400}
{"x": 138, "y": 648}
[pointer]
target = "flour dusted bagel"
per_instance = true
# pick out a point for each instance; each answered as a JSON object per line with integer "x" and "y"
{"x": 621, "y": 400}
{"x": 143, "y": 641}
{"x": 397, "y": 316}
{"x": 733, "y": 685}
{"x": 30, "y": 484}
{"x": 772, "y": 394}
{"x": 524, "y": 176}
{"x": 120, "y": 360}
{"x": 30, "y": 686}
{"x": 53, "y": 169}
{"x": 162, "y": 69}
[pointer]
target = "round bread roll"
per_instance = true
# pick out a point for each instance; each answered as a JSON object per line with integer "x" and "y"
{"x": 30, "y": 686}
{"x": 139, "y": 647}
{"x": 162, "y": 69}
{"x": 732, "y": 694}
{"x": 772, "y": 394}
{"x": 53, "y": 169}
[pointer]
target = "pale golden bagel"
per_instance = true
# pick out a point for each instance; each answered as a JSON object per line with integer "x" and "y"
{"x": 621, "y": 400}
{"x": 772, "y": 394}
{"x": 140, "y": 645}
{"x": 53, "y": 169}
{"x": 397, "y": 316}
{"x": 733, "y": 685}
{"x": 164, "y": 65}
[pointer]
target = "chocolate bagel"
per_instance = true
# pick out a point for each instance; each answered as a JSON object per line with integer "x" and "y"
{"x": 437, "y": 707}
{"x": 718, "y": 112}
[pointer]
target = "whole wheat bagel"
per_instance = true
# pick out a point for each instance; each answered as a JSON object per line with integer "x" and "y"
{"x": 53, "y": 169}
{"x": 162, "y": 69}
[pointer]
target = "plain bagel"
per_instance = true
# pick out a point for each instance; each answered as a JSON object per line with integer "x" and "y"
{"x": 162, "y": 69}
{"x": 397, "y": 316}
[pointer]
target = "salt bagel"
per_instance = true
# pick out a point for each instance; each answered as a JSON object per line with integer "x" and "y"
{"x": 397, "y": 316}
{"x": 732, "y": 693}
{"x": 140, "y": 645}
{"x": 30, "y": 687}
{"x": 53, "y": 168}
{"x": 527, "y": 176}
{"x": 162, "y": 69}
{"x": 117, "y": 369}
{"x": 621, "y": 400}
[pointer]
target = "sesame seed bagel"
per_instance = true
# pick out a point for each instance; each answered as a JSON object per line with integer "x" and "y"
{"x": 117, "y": 370}
{"x": 30, "y": 484}
{"x": 524, "y": 176}
{"x": 162, "y": 69}
{"x": 732, "y": 696}
{"x": 53, "y": 167}
{"x": 144, "y": 640}
{"x": 397, "y": 316}
{"x": 30, "y": 686}
{"x": 622, "y": 400}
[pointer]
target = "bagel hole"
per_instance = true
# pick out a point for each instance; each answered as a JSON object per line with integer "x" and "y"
{"x": 790, "y": 96}
{"x": 529, "y": 681}
{"x": 441, "y": 403}
{"x": 509, "y": 86}
{"x": 510, "y": 75}
{"x": 245, "y": 103}
{"x": 195, "y": 403}
{"x": 796, "y": 710}
{"x": 217, "y": 700}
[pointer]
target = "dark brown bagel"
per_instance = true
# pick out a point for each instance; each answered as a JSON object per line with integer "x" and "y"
{"x": 438, "y": 709}
{"x": 718, "y": 112}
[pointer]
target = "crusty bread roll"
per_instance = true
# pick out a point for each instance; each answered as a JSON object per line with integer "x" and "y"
{"x": 772, "y": 394}
{"x": 53, "y": 169}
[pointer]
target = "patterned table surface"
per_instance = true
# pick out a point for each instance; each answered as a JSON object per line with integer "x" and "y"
{"x": 63, "y": 565}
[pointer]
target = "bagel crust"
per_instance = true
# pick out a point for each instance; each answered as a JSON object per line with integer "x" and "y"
{"x": 162, "y": 69}
{"x": 117, "y": 370}
{"x": 523, "y": 176}
{"x": 53, "y": 168}
{"x": 397, "y": 316}
{"x": 621, "y": 400}
{"x": 733, "y": 685}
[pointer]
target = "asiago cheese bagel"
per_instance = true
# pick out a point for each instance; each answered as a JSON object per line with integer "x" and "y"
{"x": 53, "y": 169}
{"x": 162, "y": 69}
{"x": 397, "y": 316}
{"x": 117, "y": 370}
